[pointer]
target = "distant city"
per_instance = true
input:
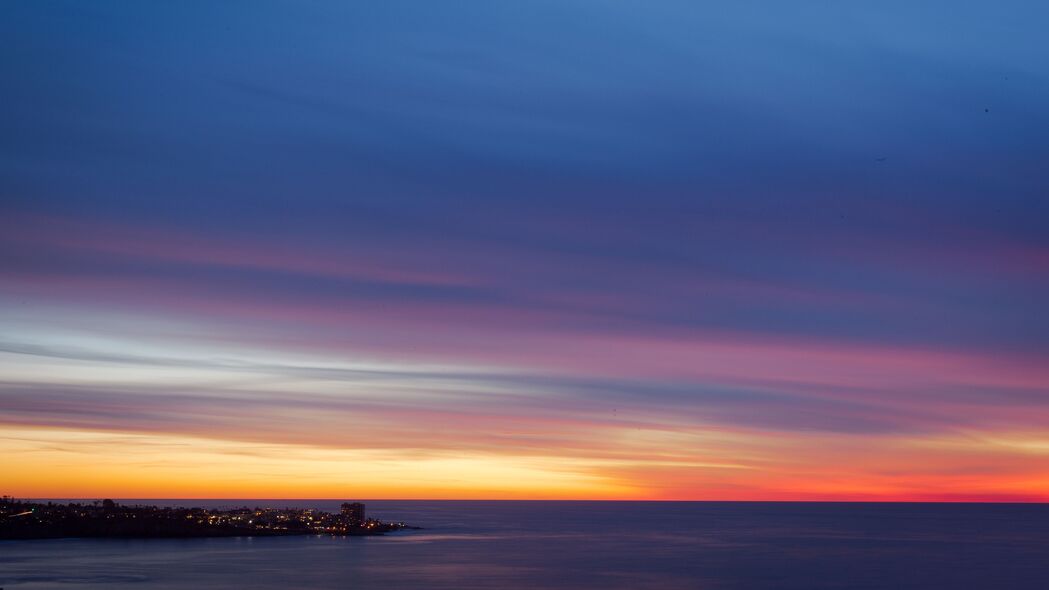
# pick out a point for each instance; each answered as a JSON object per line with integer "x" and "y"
{"x": 22, "y": 519}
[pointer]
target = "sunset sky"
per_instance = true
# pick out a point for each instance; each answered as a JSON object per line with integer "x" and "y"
{"x": 602, "y": 250}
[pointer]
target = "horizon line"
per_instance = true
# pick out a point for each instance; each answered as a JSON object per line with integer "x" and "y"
{"x": 707, "y": 501}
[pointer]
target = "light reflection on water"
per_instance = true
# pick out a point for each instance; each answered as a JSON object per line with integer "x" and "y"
{"x": 580, "y": 545}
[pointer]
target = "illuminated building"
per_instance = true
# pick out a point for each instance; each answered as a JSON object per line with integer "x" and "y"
{"x": 353, "y": 513}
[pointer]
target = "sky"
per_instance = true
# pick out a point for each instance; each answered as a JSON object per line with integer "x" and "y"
{"x": 555, "y": 250}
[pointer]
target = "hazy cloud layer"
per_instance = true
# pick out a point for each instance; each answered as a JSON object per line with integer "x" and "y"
{"x": 579, "y": 229}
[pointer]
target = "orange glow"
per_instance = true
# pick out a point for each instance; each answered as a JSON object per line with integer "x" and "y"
{"x": 53, "y": 463}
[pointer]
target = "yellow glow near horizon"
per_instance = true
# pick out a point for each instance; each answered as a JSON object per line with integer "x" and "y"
{"x": 39, "y": 462}
{"x": 49, "y": 462}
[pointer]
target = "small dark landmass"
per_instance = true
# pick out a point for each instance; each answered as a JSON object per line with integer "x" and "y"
{"x": 35, "y": 520}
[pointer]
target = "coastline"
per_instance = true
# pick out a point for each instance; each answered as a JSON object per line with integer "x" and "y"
{"x": 24, "y": 520}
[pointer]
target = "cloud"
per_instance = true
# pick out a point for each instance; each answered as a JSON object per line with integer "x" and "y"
{"x": 600, "y": 231}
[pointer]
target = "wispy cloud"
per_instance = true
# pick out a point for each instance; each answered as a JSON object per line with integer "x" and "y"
{"x": 664, "y": 249}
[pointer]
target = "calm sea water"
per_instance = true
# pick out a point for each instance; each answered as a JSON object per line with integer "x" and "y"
{"x": 510, "y": 545}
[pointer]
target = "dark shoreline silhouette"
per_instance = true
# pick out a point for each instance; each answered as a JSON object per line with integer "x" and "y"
{"x": 107, "y": 519}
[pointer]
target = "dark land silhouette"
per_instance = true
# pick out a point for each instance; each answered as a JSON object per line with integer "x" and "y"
{"x": 36, "y": 520}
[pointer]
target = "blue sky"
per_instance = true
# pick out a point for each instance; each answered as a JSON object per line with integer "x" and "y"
{"x": 814, "y": 219}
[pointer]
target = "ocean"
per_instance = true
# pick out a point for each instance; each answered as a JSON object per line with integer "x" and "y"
{"x": 635, "y": 545}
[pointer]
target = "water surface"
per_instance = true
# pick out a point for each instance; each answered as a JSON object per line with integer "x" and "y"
{"x": 508, "y": 545}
